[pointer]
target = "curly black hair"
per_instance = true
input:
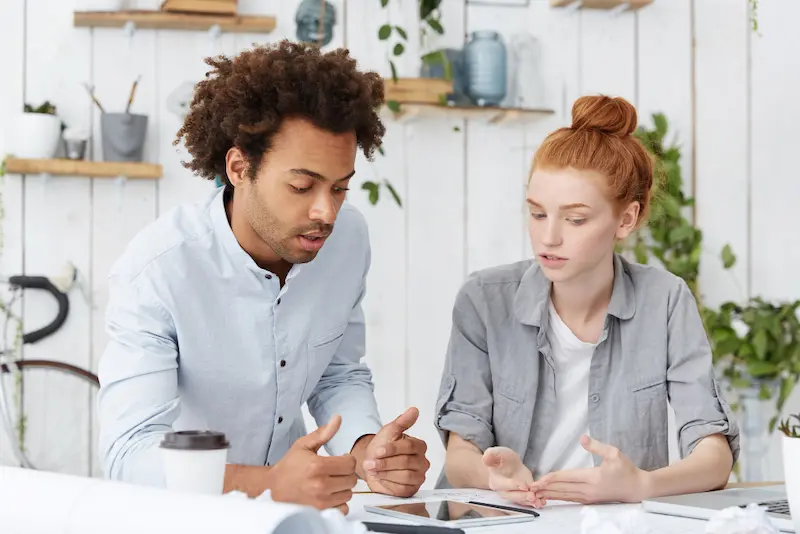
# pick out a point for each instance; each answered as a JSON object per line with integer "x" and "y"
{"x": 243, "y": 101}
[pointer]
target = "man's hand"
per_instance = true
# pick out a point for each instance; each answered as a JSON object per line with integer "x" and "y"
{"x": 394, "y": 463}
{"x": 303, "y": 477}
{"x": 617, "y": 479}
{"x": 508, "y": 475}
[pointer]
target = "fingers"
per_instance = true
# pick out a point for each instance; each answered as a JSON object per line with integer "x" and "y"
{"x": 403, "y": 422}
{"x": 343, "y": 508}
{"x": 517, "y": 497}
{"x": 570, "y": 496}
{"x": 399, "y": 490}
{"x": 322, "y": 435}
{"x": 407, "y": 445}
{"x": 402, "y": 462}
{"x": 569, "y": 475}
{"x": 599, "y": 448}
{"x": 503, "y": 459}
{"x": 332, "y": 466}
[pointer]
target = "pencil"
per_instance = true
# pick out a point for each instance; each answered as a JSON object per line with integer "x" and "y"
{"x": 133, "y": 92}
{"x": 90, "y": 90}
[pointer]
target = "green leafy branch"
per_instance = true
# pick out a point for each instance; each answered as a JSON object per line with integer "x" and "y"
{"x": 396, "y": 36}
{"x": 791, "y": 430}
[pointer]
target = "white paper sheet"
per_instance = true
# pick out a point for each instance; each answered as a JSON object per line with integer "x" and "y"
{"x": 36, "y": 502}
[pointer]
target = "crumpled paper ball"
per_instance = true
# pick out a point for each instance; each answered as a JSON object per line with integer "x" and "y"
{"x": 735, "y": 520}
{"x": 629, "y": 521}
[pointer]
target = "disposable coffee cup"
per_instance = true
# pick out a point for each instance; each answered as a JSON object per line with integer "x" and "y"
{"x": 194, "y": 461}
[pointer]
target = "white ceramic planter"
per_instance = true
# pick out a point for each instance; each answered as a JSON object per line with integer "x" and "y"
{"x": 35, "y": 135}
{"x": 791, "y": 474}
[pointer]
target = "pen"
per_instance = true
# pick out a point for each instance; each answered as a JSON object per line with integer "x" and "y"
{"x": 509, "y": 508}
{"x": 392, "y": 528}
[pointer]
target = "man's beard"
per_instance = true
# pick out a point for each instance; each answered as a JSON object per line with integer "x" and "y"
{"x": 270, "y": 230}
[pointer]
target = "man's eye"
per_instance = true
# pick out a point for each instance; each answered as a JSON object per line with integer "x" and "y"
{"x": 300, "y": 189}
{"x": 340, "y": 189}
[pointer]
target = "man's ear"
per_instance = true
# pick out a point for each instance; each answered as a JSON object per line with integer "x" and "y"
{"x": 629, "y": 218}
{"x": 235, "y": 166}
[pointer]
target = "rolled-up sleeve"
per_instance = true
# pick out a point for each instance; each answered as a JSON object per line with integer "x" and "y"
{"x": 346, "y": 386}
{"x": 700, "y": 407}
{"x": 464, "y": 404}
{"x": 138, "y": 399}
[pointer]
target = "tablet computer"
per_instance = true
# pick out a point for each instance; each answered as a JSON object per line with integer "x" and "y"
{"x": 446, "y": 513}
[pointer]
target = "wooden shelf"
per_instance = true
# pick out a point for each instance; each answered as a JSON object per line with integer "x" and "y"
{"x": 492, "y": 115}
{"x": 602, "y": 4}
{"x": 91, "y": 169}
{"x": 161, "y": 20}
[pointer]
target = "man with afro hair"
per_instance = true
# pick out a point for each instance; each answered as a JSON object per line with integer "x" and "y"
{"x": 231, "y": 313}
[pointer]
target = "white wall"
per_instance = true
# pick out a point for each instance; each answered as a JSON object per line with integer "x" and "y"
{"x": 728, "y": 97}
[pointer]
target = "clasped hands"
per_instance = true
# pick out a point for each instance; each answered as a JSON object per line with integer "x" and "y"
{"x": 390, "y": 462}
{"x": 616, "y": 479}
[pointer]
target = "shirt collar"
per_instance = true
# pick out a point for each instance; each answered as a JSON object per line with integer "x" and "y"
{"x": 533, "y": 294}
{"x": 223, "y": 230}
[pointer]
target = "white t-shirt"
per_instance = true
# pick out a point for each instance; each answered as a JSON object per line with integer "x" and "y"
{"x": 572, "y": 359}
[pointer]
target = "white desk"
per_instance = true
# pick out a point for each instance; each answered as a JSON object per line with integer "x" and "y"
{"x": 555, "y": 518}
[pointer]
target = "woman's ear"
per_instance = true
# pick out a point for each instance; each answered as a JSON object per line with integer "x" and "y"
{"x": 628, "y": 220}
{"x": 235, "y": 166}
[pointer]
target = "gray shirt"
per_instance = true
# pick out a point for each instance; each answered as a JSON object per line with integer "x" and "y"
{"x": 498, "y": 383}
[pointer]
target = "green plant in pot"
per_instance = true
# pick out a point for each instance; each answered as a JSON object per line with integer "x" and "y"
{"x": 755, "y": 344}
{"x": 37, "y": 132}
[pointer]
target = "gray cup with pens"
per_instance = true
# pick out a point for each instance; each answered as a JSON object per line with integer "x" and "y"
{"x": 122, "y": 134}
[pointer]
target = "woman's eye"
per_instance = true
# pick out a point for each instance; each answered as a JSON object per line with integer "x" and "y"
{"x": 538, "y": 215}
{"x": 577, "y": 222}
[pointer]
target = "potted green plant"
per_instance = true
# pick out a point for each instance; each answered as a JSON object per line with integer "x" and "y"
{"x": 37, "y": 132}
{"x": 791, "y": 465}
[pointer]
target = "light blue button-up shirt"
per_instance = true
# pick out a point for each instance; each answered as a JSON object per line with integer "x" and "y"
{"x": 203, "y": 338}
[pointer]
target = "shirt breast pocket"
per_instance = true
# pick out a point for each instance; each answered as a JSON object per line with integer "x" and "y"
{"x": 320, "y": 351}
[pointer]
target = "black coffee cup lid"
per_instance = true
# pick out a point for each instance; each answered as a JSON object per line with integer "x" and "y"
{"x": 195, "y": 440}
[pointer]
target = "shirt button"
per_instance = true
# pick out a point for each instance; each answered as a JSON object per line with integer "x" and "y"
{"x": 280, "y": 420}
{"x": 283, "y": 363}
{"x": 268, "y": 276}
{"x": 278, "y": 302}
{"x": 595, "y": 397}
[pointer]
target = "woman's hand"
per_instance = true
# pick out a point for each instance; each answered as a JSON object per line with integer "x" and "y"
{"x": 508, "y": 475}
{"x": 617, "y": 479}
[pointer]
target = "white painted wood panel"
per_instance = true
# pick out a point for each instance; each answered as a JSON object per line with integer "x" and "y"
{"x": 722, "y": 121}
{"x": 12, "y": 39}
{"x": 664, "y": 31}
{"x": 607, "y": 53}
{"x": 58, "y": 230}
{"x": 496, "y": 163}
{"x": 774, "y": 186}
{"x": 120, "y": 209}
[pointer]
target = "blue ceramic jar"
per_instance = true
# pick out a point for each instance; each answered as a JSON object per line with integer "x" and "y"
{"x": 485, "y": 64}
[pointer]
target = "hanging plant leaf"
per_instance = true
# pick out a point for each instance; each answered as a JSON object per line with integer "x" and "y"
{"x": 392, "y": 190}
{"x": 393, "y": 105}
{"x": 384, "y": 32}
{"x": 398, "y": 49}
{"x": 436, "y": 26}
{"x": 372, "y": 187}
{"x": 394, "y": 70}
{"x": 401, "y": 32}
